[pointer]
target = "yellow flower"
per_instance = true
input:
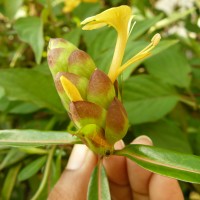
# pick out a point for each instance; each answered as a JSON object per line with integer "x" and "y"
{"x": 72, "y": 4}
{"x": 120, "y": 19}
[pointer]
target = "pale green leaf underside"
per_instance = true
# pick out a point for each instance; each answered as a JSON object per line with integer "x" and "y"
{"x": 180, "y": 166}
{"x": 35, "y": 138}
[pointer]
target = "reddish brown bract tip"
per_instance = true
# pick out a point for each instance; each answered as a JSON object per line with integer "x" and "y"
{"x": 116, "y": 122}
{"x": 84, "y": 112}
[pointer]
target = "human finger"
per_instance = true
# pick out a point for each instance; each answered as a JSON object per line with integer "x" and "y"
{"x": 74, "y": 181}
{"x": 138, "y": 177}
{"x": 117, "y": 174}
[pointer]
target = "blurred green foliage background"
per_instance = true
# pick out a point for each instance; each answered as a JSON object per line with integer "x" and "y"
{"x": 162, "y": 96}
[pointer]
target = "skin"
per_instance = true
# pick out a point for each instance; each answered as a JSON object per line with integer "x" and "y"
{"x": 127, "y": 180}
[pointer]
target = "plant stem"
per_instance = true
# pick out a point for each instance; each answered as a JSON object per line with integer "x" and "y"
{"x": 190, "y": 103}
{"x": 46, "y": 174}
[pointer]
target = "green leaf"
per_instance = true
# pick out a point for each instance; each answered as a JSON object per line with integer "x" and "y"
{"x": 30, "y": 30}
{"x": 11, "y": 7}
{"x": 19, "y": 138}
{"x": 9, "y": 182}
{"x": 147, "y": 99}
{"x": 85, "y": 10}
{"x": 73, "y": 36}
{"x": 98, "y": 186}
{"x": 180, "y": 166}
{"x": 22, "y": 108}
{"x": 32, "y": 168}
{"x": 30, "y": 85}
{"x": 171, "y": 66}
{"x": 56, "y": 168}
{"x": 12, "y": 157}
{"x": 194, "y": 139}
{"x": 165, "y": 134}
{"x": 2, "y": 92}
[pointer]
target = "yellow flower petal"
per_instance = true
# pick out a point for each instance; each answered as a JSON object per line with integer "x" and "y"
{"x": 118, "y": 17}
{"x": 144, "y": 53}
{"x": 70, "y": 89}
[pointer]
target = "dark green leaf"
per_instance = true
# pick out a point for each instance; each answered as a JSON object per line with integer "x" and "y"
{"x": 194, "y": 139}
{"x": 73, "y": 36}
{"x": 32, "y": 168}
{"x": 98, "y": 186}
{"x": 30, "y": 85}
{"x": 147, "y": 99}
{"x": 12, "y": 157}
{"x": 171, "y": 66}
{"x": 2, "y": 92}
{"x": 9, "y": 182}
{"x": 22, "y": 108}
{"x": 165, "y": 134}
{"x": 30, "y": 30}
{"x": 35, "y": 138}
{"x": 180, "y": 166}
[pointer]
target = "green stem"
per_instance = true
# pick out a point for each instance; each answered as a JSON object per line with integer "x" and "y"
{"x": 46, "y": 174}
{"x": 190, "y": 103}
{"x": 18, "y": 54}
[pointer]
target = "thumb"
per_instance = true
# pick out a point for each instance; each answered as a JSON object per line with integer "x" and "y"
{"x": 74, "y": 181}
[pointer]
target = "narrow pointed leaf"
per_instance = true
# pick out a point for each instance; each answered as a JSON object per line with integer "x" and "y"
{"x": 12, "y": 157}
{"x": 9, "y": 182}
{"x": 180, "y": 166}
{"x": 35, "y": 138}
{"x": 32, "y": 168}
{"x": 98, "y": 186}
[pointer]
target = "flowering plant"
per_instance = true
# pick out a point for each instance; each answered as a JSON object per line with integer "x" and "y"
{"x": 93, "y": 101}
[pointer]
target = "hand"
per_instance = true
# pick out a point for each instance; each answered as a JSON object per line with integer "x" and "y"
{"x": 127, "y": 180}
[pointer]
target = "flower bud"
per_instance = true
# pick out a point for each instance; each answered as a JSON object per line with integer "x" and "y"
{"x": 58, "y": 53}
{"x": 100, "y": 89}
{"x": 84, "y": 112}
{"x": 80, "y": 63}
{"x": 116, "y": 122}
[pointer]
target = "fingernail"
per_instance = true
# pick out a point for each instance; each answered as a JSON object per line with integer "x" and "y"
{"x": 119, "y": 145}
{"x": 143, "y": 139}
{"x": 77, "y": 157}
